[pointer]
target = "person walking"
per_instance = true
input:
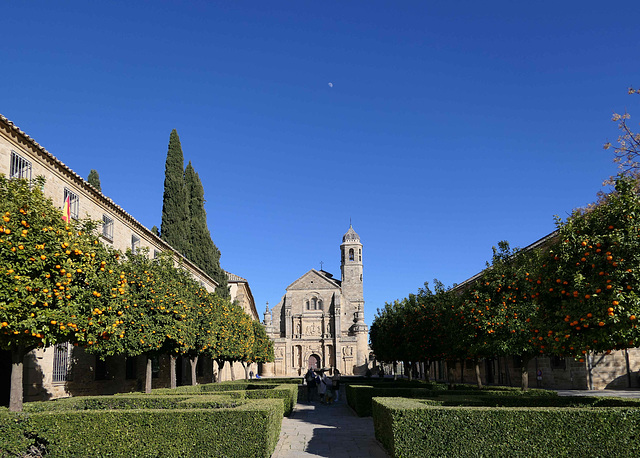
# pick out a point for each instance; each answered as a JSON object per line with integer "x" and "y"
{"x": 322, "y": 387}
{"x": 310, "y": 378}
{"x": 328, "y": 392}
{"x": 335, "y": 385}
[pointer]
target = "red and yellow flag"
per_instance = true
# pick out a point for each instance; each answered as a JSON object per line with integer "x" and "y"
{"x": 66, "y": 210}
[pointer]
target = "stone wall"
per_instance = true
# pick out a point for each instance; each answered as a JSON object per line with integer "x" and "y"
{"x": 607, "y": 372}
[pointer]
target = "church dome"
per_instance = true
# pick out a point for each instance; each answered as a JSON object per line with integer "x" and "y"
{"x": 351, "y": 236}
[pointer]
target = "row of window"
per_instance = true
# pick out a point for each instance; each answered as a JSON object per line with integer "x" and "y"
{"x": 314, "y": 304}
{"x": 22, "y": 168}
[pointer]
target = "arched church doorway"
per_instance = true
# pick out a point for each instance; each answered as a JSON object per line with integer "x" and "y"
{"x": 314, "y": 362}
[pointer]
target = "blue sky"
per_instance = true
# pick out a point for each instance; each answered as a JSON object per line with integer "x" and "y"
{"x": 448, "y": 126}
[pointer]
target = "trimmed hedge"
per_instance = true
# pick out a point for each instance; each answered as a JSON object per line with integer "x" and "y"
{"x": 547, "y": 401}
{"x": 288, "y": 392}
{"x": 359, "y": 397}
{"x": 417, "y": 428}
{"x": 250, "y": 429}
{"x": 374, "y": 381}
{"x": 133, "y": 401}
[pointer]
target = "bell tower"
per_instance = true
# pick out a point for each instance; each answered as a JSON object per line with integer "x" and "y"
{"x": 351, "y": 269}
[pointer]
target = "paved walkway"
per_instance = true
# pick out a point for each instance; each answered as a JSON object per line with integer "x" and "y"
{"x": 335, "y": 431}
{"x": 616, "y": 393}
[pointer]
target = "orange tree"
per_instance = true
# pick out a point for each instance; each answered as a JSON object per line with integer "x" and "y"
{"x": 53, "y": 274}
{"x": 262, "y": 351}
{"x": 498, "y": 308}
{"x": 431, "y": 329}
{"x": 161, "y": 314}
{"x": 180, "y": 317}
{"x": 385, "y": 334}
{"x": 233, "y": 337}
{"x": 589, "y": 290}
{"x": 140, "y": 332}
{"x": 165, "y": 312}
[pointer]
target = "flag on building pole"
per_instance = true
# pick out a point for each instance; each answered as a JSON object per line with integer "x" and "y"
{"x": 66, "y": 210}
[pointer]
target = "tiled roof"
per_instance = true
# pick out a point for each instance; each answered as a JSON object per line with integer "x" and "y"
{"x": 235, "y": 278}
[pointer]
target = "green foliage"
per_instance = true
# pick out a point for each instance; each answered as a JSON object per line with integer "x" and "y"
{"x": 497, "y": 309}
{"x": 132, "y": 401}
{"x": 359, "y": 397}
{"x": 412, "y": 428}
{"x": 52, "y": 275}
{"x": 288, "y": 392}
{"x": 262, "y": 351}
{"x": 250, "y": 429}
{"x": 94, "y": 179}
{"x": 18, "y": 437}
{"x": 202, "y": 251}
{"x": 234, "y": 337}
{"x": 590, "y": 283}
{"x": 175, "y": 216}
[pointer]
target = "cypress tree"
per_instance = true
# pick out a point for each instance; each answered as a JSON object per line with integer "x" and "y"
{"x": 94, "y": 179}
{"x": 174, "y": 228}
{"x": 204, "y": 252}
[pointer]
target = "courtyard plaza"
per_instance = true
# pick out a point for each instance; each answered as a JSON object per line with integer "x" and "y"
{"x": 335, "y": 431}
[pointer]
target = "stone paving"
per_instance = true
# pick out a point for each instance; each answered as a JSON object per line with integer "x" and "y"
{"x": 630, "y": 393}
{"x": 335, "y": 431}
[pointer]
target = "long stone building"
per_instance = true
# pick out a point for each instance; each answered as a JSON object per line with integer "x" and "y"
{"x": 65, "y": 370}
{"x": 319, "y": 322}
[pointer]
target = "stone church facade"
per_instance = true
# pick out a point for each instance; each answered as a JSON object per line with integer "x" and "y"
{"x": 319, "y": 322}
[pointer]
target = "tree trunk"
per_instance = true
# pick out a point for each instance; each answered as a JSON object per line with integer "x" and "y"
{"x": 395, "y": 370}
{"x": 220, "y": 367}
{"x": 194, "y": 362}
{"x": 17, "y": 368}
{"x": 427, "y": 369}
{"x": 626, "y": 360}
{"x": 233, "y": 375}
{"x": 524, "y": 373}
{"x": 410, "y": 366}
{"x": 477, "y": 367}
{"x": 246, "y": 370}
{"x": 214, "y": 374}
{"x": 148, "y": 375}
{"x": 450, "y": 374}
{"x": 172, "y": 371}
{"x": 462, "y": 371}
